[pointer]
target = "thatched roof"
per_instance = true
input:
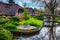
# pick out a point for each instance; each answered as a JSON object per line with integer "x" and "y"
{"x": 9, "y": 9}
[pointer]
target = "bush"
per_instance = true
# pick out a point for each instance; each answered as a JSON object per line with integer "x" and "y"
{"x": 15, "y": 19}
{"x": 3, "y": 20}
{"x": 26, "y": 14}
{"x": 5, "y": 35}
{"x": 10, "y": 26}
{"x": 15, "y": 23}
{"x": 33, "y": 22}
{"x": 40, "y": 17}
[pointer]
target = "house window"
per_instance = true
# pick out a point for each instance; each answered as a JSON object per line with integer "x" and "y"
{"x": 20, "y": 10}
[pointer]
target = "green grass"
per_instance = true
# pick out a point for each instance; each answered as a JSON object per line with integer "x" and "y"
{"x": 57, "y": 19}
{"x": 11, "y": 24}
{"x": 33, "y": 22}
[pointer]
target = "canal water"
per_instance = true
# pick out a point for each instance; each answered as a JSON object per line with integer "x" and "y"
{"x": 42, "y": 33}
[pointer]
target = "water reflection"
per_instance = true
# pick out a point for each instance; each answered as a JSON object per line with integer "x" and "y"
{"x": 41, "y": 34}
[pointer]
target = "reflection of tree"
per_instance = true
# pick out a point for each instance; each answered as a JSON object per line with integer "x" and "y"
{"x": 51, "y": 5}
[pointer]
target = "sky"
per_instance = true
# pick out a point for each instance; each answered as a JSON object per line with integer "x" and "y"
{"x": 29, "y": 3}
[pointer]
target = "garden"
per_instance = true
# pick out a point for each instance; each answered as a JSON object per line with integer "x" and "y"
{"x": 15, "y": 23}
{"x": 28, "y": 24}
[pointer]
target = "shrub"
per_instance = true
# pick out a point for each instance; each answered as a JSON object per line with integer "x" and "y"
{"x": 10, "y": 26}
{"x": 15, "y": 19}
{"x": 33, "y": 22}
{"x": 15, "y": 23}
{"x": 5, "y": 35}
{"x": 26, "y": 14}
{"x": 3, "y": 20}
{"x": 40, "y": 17}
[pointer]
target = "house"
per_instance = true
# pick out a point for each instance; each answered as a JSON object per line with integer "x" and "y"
{"x": 31, "y": 11}
{"x": 9, "y": 9}
{"x": 12, "y": 9}
{"x": 37, "y": 11}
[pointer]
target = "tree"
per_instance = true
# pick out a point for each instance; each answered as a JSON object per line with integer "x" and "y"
{"x": 51, "y": 5}
{"x": 25, "y": 13}
{"x": 10, "y": 1}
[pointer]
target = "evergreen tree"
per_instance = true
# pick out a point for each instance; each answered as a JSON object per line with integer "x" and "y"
{"x": 10, "y": 1}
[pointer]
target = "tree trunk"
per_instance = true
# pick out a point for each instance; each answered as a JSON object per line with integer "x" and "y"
{"x": 52, "y": 31}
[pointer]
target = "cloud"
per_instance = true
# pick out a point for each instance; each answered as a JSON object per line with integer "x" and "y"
{"x": 20, "y": 3}
{"x": 24, "y": 1}
{"x": 29, "y": 3}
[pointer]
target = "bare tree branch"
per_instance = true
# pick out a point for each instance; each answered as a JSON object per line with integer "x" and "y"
{"x": 46, "y": 4}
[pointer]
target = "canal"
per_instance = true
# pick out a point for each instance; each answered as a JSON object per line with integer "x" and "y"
{"x": 41, "y": 34}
